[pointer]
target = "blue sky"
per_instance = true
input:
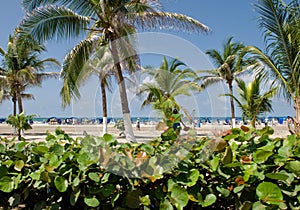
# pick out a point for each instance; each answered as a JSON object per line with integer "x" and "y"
{"x": 235, "y": 18}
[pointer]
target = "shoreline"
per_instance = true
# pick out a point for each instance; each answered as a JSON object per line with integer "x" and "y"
{"x": 146, "y": 133}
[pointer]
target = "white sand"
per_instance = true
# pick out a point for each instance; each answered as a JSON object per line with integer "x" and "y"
{"x": 146, "y": 133}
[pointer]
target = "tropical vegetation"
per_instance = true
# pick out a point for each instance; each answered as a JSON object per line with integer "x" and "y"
{"x": 99, "y": 65}
{"x": 20, "y": 122}
{"x": 244, "y": 169}
{"x": 111, "y": 23}
{"x": 280, "y": 23}
{"x": 251, "y": 101}
{"x": 241, "y": 168}
{"x": 22, "y": 68}
{"x": 167, "y": 83}
{"x": 230, "y": 64}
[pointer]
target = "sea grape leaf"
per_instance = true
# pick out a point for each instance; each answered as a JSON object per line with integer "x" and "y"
{"x": 193, "y": 177}
{"x": 260, "y": 156}
{"x": 105, "y": 177}
{"x": 2, "y": 149}
{"x": 214, "y": 163}
{"x": 209, "y": 200}
{"x": 225, "y": 192}
{"x": 258, "y": 206}
{"x": 179, "y": 197}
{"x": 108, "y": 190}
{"x": 228, "y": 156}
{"x": 58, "y": 149}
{"x": 94, "y": 176}
{"x": 61, "y": 184}
{"x": 238, "y": 189}
{"x": 269, "y": 193}
{"x": 166, "y": 205}
{"x": 19, "y": 165}
{"x": 40, "y": 149}
{"x": 45, "y": 177}
{"x": 145, "y": 200}
{"x": 278, "y": 176}
{"x": 92, "y": 202}
{"x": 20, "y": 146}
{"x": 189, "y": 179}
{"x": 108, "y": 137}
{"x": 294, "y": 166}
{"x": 6, "y": 184}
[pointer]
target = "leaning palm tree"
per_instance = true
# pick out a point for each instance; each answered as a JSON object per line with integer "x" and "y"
{"x": 230, "y": 65}
{"x": 281, "y": 23}
{"x": 22, "y": 68}
{"x": 106, "y": 22}
{"x": 168, "y": 82}
{"x": 251, "y": 101}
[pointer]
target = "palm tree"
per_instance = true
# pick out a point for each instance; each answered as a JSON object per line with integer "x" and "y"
{"x": 168, "y": 82}
{"x": 106, "y": 22}
{"x": 252, "y": 102}
{"x": 101, "y": 65}
{"x": 230, "y": 65}
{"x": 22, "y": 68}
{"x": 281, "y": 23}
{"x": 20, "y": 123}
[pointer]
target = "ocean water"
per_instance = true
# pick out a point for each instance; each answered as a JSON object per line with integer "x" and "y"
{"x": 97, "y": 120}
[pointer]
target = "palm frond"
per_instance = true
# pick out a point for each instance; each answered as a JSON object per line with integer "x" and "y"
{"x": 73, "y": 67}
{"x": 83, "y": 7}
{"x": 210, "y": 80}
{"x": 2, "y": 52}
{"x": 49, "y": 22}
{"x": 166, "y": 20}
{"x": 274, "y": 72}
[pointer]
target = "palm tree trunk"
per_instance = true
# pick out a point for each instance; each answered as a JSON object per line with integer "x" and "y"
{"x": 297, "y": 120}
{"x": 232, "y": 105}
{"x": 14, "y": 100}
{"x": 20, "y": 104}
{"x": 19, "y": 134}
{"x": 104, "y": 107}
{"x": 123, "y": 95}
{"x": 253, "y": 122}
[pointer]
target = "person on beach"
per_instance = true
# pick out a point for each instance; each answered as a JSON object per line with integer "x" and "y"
{"x": 138, "y": 124}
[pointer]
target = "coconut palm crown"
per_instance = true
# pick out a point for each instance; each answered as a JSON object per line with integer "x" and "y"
{"x": 167, "y": 83}
{"x": 22, "y": 68}
{"x": 230, "y": 64}
{"x": 103, "y": 22}
{"x": 280, "y": 23}
{"x": 251, "y": 100}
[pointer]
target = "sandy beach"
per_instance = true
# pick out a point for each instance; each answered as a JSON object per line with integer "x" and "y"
{"x": 146, "y": 133}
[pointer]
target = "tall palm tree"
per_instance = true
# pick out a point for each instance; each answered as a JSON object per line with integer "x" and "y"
{"x": 168, "y": 82}
{"x": 281, "y": 23}
{"x": 101, "y": 65}
{"x": 22, "y": 68}
{"x": 229, "y": 65}
{"x": 252, "y": 102}
{"x": 106, "y": 22}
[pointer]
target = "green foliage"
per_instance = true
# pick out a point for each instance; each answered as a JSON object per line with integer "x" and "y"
{"x": 19, "y": 122}
{"x": 249, "y": 170}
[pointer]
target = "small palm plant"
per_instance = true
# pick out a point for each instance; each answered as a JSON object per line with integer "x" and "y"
{"x": 20, "y": 123}
{"x": 252, "y": 103}
{"x": 168, "y": 82}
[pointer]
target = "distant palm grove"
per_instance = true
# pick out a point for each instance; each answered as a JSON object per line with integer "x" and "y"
{"x": 110, "y": 29}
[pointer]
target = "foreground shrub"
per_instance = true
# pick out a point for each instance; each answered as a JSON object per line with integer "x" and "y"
{"x": 244, "y": 169}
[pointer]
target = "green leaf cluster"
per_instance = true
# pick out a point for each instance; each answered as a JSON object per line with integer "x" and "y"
{"x": 246, "y": 169}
